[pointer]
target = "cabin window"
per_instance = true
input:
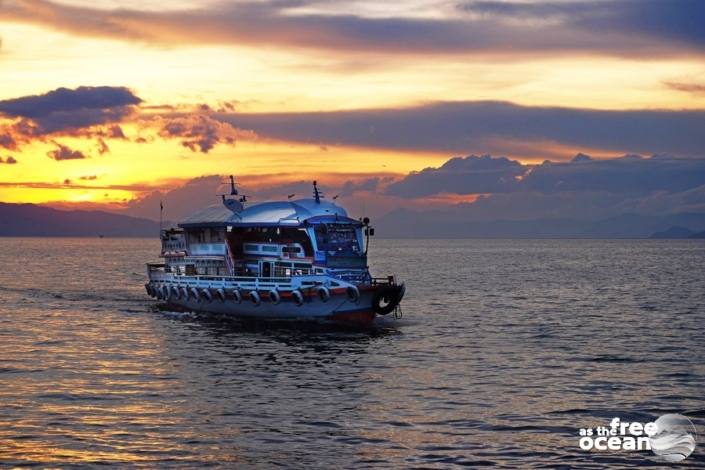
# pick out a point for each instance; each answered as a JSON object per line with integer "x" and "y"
{"x": 337, "y": 238}
{"x": 270, "y": 248}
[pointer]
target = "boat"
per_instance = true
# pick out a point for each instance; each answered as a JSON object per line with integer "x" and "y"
{"x": 302, "y": 260}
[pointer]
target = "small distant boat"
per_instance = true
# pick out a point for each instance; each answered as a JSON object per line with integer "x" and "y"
{"x": 299, "y": 259}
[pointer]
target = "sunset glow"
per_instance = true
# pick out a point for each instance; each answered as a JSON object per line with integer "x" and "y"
{"x": 347, "y": 58}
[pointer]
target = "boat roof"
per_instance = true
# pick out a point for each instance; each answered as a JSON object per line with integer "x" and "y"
{"x": 268, "y": 214}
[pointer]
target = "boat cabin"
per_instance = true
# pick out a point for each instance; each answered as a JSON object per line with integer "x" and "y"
{"x": 268, "y": 239}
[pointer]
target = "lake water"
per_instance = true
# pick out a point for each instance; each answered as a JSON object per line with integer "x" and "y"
{"x": 505, "y": 350}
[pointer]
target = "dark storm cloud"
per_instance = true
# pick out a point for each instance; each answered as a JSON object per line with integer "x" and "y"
{"x": 613, "y": 28}
{"x": 631, "y": 174}
{"x": 64, "y": 108}
{"x": 476, "y": 126}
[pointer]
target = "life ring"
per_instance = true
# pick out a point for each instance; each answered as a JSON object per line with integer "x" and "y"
{"x": 254, "y": 297}
{"x": 221, "y": 294}
{"x": 237, "y": 295}
{"x": 274, "y": 296}
{"x": 353, "y": 293}
{"x": 298, "y": 297}
{"x": 323, "y": 293}
{"x": 207, "y": 295}
{"x": 195, "y": 294}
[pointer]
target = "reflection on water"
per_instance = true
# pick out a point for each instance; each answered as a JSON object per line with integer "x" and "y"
{"x": 505, "y": 350}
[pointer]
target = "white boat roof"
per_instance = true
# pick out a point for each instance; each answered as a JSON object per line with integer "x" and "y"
{"x": 272, "y": 213}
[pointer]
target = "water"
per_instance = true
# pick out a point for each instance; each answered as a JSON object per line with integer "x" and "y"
{"x": 505, "y": 350}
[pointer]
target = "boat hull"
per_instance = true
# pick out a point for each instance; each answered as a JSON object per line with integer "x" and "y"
{"x": 339, "y": 308}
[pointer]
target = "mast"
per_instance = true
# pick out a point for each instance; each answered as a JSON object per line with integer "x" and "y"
{"x": 317, "y": 195}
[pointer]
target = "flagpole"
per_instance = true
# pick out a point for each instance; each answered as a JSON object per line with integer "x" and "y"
{"x": 161, "y": 210}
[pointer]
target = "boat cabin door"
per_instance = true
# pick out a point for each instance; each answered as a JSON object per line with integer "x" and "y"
{"x": 265, "y": 268}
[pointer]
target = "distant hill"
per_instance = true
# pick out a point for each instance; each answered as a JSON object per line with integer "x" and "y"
{"x": 29, "y": 220}
{"x": 673, "y": 232}
{"x": 406, "y": 223}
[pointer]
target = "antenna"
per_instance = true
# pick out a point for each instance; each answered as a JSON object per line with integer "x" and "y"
{"x": 233, "y": 191}
{"x": 233, "y": 204}
{"x": 317, "y": 195}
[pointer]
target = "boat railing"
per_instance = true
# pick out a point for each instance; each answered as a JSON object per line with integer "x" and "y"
{"x": 158, "y": 272}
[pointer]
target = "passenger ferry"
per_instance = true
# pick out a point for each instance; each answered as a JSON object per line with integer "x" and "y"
{"x": 299, "y": 259}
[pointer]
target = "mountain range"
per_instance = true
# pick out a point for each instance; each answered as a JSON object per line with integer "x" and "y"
{"x": 30, "y": 220}
{"x": 21, "y": 220}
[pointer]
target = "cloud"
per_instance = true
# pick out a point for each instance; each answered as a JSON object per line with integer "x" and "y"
{"x": 63, "y": 152}
{"x": 629, "y": 196}
{"x": 626, "y": 27}
{"x": 461, "y": 175}
{"x": 350, "y": 187}
{"x": 63, "y": 109}
{"x": 9, "y": 160}
{"x": 116, "y": 132}
{"x": 630, "y": 174}
{"x": 487, "y": 127}
{"x": 182, "y": 198}
{"x": 102, "y": 147}
{"x": 198, "y": 132}
{"x": 96, "y": 113}
{"x": 667, "y": 20}
{"x": 624, "y": 196}
{"x": 7, "y": 140}
{"x": 694, "y": 88}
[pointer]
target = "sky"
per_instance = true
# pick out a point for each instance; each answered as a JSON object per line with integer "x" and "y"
{"x": 479, "y": 106}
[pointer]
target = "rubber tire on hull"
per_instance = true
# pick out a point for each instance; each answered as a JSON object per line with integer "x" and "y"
{"x": 391, "y": 295}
